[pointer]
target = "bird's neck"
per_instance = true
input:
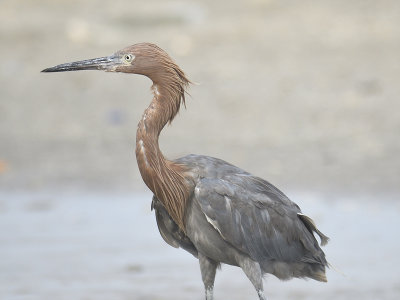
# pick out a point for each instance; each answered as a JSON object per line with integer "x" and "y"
{"x": 163, "y": 177}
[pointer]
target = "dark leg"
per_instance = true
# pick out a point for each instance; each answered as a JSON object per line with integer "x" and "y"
{"x": 208, "y": 268}
{"x": 253, "y": 272}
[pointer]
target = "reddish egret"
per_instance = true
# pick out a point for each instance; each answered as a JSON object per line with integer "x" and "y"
{"x": 212, "y": 209}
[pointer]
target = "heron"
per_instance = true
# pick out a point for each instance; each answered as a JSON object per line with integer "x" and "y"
{"x": 216, "y": 211}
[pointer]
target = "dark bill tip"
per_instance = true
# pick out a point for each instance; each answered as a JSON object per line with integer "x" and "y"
{"x": 107, "y": 63}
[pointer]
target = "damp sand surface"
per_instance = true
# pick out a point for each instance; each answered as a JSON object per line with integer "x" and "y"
{"x": 107, "y": 247}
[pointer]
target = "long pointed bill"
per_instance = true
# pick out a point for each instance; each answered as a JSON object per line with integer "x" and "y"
{"x": 107, "y": 63}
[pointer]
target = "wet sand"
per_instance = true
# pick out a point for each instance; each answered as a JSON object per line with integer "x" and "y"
{"x": 107, "y": 247}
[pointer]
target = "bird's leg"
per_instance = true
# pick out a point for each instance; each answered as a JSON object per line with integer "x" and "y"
{"x": 208, "y": 268}
{"x": 253, "y": 272}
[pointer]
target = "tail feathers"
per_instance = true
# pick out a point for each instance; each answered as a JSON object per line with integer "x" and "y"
{"x": 317, "y": 272}
{"x": 320, "y": 276}
{"x": 309, "y": 223}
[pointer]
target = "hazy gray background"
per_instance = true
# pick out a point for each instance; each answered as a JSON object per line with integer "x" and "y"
{"x": 302, "y": 93}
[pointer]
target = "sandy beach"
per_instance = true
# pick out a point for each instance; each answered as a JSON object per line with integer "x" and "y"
{"x": 107, "y": 247}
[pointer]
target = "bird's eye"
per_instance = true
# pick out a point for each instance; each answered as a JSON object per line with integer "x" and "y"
{"x": 128, "y": 57}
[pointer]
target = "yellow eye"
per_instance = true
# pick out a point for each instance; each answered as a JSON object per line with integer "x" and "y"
{"x": 128, "y": 57}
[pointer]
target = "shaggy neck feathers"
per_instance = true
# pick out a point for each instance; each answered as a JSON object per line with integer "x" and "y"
{"x": 163, "y": 177}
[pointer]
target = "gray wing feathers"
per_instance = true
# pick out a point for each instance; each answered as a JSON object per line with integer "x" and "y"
{"x": 257, "y": 219}
{"x": 169, "y": 230}
{"x": 165, "y": 224}
{"x": 309, "y": 223}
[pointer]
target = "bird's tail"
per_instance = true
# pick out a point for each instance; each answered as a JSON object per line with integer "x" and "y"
{"x": 318, "y": 273}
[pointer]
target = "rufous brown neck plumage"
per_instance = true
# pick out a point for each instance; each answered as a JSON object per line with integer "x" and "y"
{"x": 163, "y": 177}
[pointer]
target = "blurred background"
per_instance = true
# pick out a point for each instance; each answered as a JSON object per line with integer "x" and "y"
{"x": 302, "y": 93}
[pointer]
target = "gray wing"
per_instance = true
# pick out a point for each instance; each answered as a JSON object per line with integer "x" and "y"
{"x": 258, "y": 219}
{"x": 169, "y": 230}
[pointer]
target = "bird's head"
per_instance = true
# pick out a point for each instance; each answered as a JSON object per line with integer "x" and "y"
{"x": 143, "y": 58}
